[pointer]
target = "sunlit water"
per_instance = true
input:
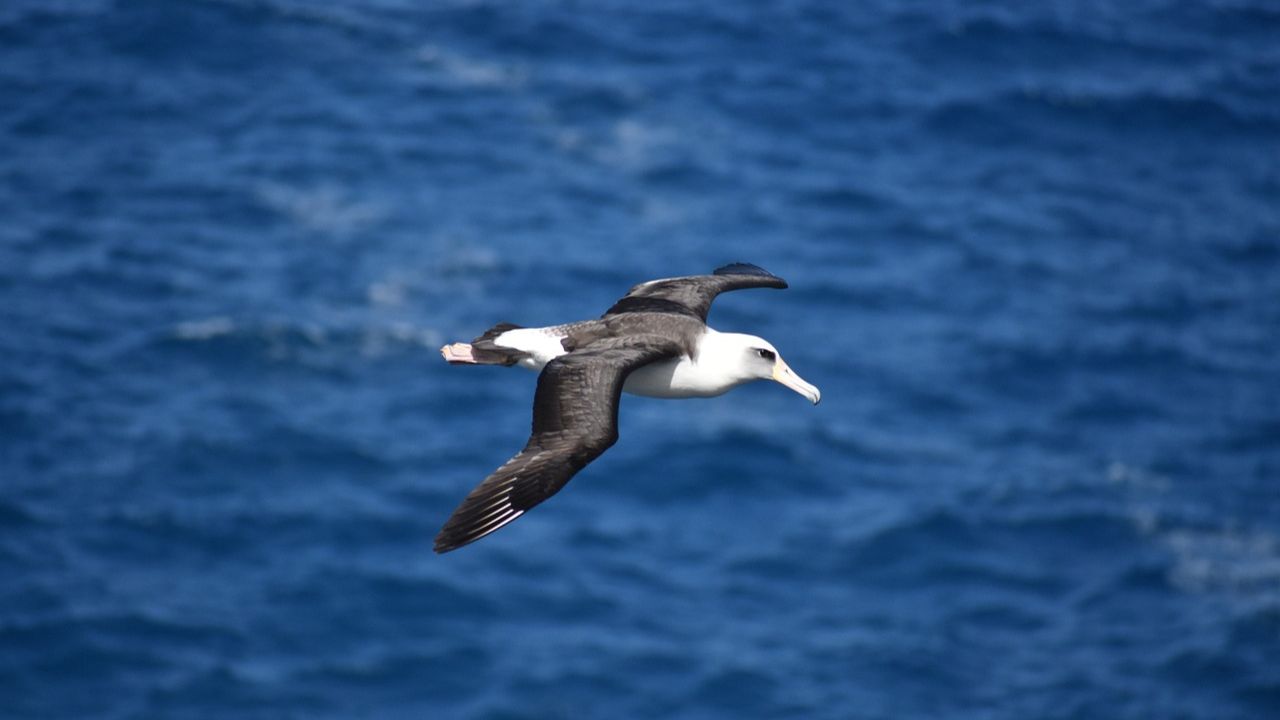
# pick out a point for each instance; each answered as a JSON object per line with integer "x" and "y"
{"x": 1034, "y": 251}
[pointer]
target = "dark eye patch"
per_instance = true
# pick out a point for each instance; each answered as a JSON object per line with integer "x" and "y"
{"x": 766, "y": 354}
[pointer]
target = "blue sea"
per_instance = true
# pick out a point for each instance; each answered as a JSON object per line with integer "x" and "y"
{"x": 1034, "y": 257}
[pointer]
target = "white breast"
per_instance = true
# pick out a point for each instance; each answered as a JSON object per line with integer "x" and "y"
{"x": 714, "y": 369}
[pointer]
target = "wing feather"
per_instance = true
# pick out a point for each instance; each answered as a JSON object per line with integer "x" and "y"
{"x": 575, "y": 419}
{"x": 693, "y": 295}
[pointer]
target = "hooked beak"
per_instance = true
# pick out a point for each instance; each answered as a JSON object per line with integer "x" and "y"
{"x": 783, "y": 374}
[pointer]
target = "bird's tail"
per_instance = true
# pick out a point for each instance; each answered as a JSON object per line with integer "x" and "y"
{"x": 483, "y": 350}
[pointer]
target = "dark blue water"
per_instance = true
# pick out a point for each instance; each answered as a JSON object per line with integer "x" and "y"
{"x": 1034, "y": 251}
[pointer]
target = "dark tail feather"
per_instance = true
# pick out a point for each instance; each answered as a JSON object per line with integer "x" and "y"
{"x": 495, "y": 331}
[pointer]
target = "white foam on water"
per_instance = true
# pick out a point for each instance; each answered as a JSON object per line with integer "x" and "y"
{"x": 380, "y": 341}
{"x": 204, "y": 329}
{"x": 1239, "y": 563}
{"x": 326, "y": 208}
{"x": 456, "y": 69}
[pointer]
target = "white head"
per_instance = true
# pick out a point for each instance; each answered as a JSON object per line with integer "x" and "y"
{"x": 747, "y": 357}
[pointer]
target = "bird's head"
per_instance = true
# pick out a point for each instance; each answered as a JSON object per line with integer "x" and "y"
{"x": 757, "y": 359}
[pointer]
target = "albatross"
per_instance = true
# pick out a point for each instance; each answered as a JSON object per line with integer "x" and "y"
{"x": 653, "y": 342}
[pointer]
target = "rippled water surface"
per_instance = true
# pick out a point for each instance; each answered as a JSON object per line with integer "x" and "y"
{"x": 1034, "y": 255}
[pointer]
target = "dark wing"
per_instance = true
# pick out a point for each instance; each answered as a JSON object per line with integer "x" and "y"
{"x": 692, "y": 295}
{"x": 575, "y": 419}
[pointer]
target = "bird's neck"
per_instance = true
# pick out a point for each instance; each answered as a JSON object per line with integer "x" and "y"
{"x": 719, "y": 359}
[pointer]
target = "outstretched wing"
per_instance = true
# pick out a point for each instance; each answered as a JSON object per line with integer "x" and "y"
{"x": 575, "y": 419}
{"x": 692, "y": 295}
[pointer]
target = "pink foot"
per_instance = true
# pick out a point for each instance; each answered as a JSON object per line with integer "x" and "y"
{"x": 458, "y": 353}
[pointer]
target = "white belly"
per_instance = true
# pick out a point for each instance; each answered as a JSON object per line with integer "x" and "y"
{"x": 680, "y": 378}
{"x": 676, "y": 378}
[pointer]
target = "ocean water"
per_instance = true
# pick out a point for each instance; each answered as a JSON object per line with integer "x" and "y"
{"x": 1034, "y": 255}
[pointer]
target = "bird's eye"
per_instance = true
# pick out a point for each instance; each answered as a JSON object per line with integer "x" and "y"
{"x": 766, "y": 354}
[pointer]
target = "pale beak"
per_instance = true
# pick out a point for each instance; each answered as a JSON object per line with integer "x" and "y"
{"x": 783, "y": 374}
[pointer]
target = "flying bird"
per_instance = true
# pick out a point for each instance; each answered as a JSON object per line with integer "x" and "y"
{"x": 653, "y": 342}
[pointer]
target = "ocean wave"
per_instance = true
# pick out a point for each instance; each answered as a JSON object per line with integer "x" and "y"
{"x": 1030, "y": 250}
{"x": 733, "y": 461}
{"x": 327, "y": 209}
{"x": 1047, "y": 114}
{"x": 206, "y": 329}
{"x": 1021, "y": 360}
{"x": 25, "y": 14}
{"x": 1238, "y": 562}
{"x": 736, "y": 691}
{"x": 298, "y": 341}
{"x": 355, "y": 18}
{"x": 652, "y": 151}
{"x": 451, "y": 69}
{"x": 1027, "y": 37}
{"x": 134, "y": 651}
{"x": 886, "y": 448}
{"x": 14, "y": 514}
{"x": 1216, "y": 555}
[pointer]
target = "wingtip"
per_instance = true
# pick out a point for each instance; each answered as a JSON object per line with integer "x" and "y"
{"x": 448, "y": 542}
{"x": 742, "y": 268}
{"x": 464, "y": 528}
{"x": 445, "y": 543}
